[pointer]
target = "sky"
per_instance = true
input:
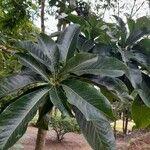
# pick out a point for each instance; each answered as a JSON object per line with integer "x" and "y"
{"x": 51, "y": 22}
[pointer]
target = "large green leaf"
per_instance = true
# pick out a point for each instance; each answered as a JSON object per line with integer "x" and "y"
{"x": 136, "y": 35}
{"x": 14, "y": 119}
{"x": 143, "y": 22}
{"x": 105, "y": 66}
{"x": 140, "y": 113}
{"x": 142, "y": 59}
{"x": 143, "y": 46}
{"x": 50, "y": 49}
{"x": 79, "y": 61}
{"x": 98, "y": 133}
{"x": 34, "y": 65}
{"x": 131, "y": 24}
{"x": 115, "y": 85}
{"x": 35, "y": 51}
{"x": 58, "y": 99}
{"x": 141, "y": 83}
{"x": 122, "y": 28}
{"x": 67, "y": 41}
{"x": 16, "y": 82}
{"x": 87, "y": 99}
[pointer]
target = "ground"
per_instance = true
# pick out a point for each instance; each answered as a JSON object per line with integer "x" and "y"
{"x": 139, "y": 140}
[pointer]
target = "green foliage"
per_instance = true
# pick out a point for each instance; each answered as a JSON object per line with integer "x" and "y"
{"x": 62, "y": 125}
{"x": 140, "y": 114}
{"x": 58, "y": 82}
{"x": 130, "y": 44}
{"x": 15, "y": 18}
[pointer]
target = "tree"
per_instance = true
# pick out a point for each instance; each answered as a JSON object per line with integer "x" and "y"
{"x": 130, "y": 44}
{"x": 55, "y": 70}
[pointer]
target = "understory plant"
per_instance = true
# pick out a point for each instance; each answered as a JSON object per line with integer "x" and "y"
{"x": 62, "y": 125}
{"x": 55, "y": 73}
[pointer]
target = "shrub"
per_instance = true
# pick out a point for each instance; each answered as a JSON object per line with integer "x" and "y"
{"x": 62, "y": 125}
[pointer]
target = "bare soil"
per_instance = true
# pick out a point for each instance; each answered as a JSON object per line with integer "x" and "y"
{"x": 139, "y": 140}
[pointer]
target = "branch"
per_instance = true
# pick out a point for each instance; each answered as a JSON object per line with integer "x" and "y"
{"x": 6, "y": 50}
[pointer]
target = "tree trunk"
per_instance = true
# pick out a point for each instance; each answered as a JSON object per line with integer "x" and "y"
{"x": 42, "y": 16}
{"x": 115, "y": 129}
{"x": 123, "y": 121}
{"x": 40, "y": 141}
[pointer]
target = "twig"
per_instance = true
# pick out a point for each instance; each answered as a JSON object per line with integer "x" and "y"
{"x": 6, "y": 50}
{"x": 132, "y": 8}
{"x": 138, "y": 8}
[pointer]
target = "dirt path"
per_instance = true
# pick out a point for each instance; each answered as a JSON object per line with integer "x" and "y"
{"x": 74, "y": 141}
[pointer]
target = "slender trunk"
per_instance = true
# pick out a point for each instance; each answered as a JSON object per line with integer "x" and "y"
{"x": 126, "y": 125}
{"x": 41, "y": 135}
{"x": 123, "y": 121}
{"x": 40, "y": 141}
{"x": 42, "y": 16}
{"x": 115, "y": 129}
{"x": 126, "y": 121}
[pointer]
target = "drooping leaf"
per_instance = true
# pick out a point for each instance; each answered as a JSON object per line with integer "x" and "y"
{"x": 34, "y": 65}
{"x": 140, "y": 82}
{"x": 44, "y": 113}
{"x": 136, "y": 35}
{"x": 115, "y": 85}
{"x": 14, "y": 119}
{"x": 143, "y": 46}
{"x": 140, "y": 113}
{"x": 98, "y": 133}
{"x": 16, "y": 82}
{"x": 58, "y": 99}
{"x": 104, "y": 66}
{"x": 67, "y": 41}
{"x": 87, "y": 99}
{"x": 142, "y": 59}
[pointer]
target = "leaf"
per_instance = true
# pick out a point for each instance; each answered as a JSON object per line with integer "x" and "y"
{"x": 102, "y": 49}
{"x": 143, "y": 46}
{"x": 58, "y": 99}
{"x": 136, "y": 35}
{"x": 84, "y": 44}
{"x": 98, "y": 133}
{"x": 14, "y": 119}
{"x": 87, "y": 99}
{"x": 142, "y": 59}
{"x": 16, "y": 82}
{"x": 35, "y": 51}
{"x": 140, "y": 113}
{"x": 30, "y": 62}
{"x": 131, "y": 24}
{"x": 44, "y": 110}
{"x": 49, "y": 47}
{"x": 45, "y": 51}
{"x": 115, "y": 85}
{"x": 76, "y": 19}
{"x": 122, "y": 28}
{"x": 143, "y": 22}
{"x": 78, "y": 62}
{"x": 140, "y": 82}
{"x": 104, "y": 66}
{"x": 67, "y": 41}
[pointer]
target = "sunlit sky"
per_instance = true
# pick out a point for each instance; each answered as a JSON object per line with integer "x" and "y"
{"x": 51, "y": 22}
